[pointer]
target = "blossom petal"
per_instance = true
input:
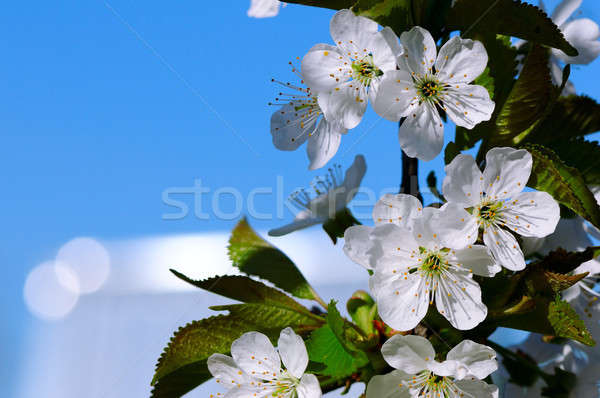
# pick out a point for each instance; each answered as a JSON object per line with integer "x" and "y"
{"x": 392, "y": 41}
{"x": 350, "y": 31}
{"x": 391, "y": 385}
{"x": 475, "y": 359}
{"x": 422, "y": 133}
{"x": 475, "y": 258}
{"x": 409, "y": 353}
{"x": 346, "y": 103}
{"x": 395, "y": 95}
{"x": 359, "y": 246}
{"x": 468, "y": 105}
{"x": 400, "y": 209}
{"x": 263, "y": 8}
{"x": 504, "y": 248}
{"x": 458, "y": 299}
{"x": 382, "y": 47}
{"x": 456, "y": 228}
{"x": 324, "y": 143}
{"x": 288, "y": 130}
{"x": 583, "y": 35}
{"x": 321, "y": 67}
{"x": 224, "y": 369}
{"x": 395, "y": 249}
{"x": 476, "y": 389}
{"x": 463, "y": 183}
{"x": 401, "y": 300}
{"x": 420, "y": 51}
{"x": 249, "y": 391}
{"x": 255, "y": 355}
{"x": 309, "y": 387}
{"x": 461, "y": 61}
{"x": 506, "y": 172}
{"x": 304, "y": 219}
{"x": 564, "y": 10}
{"x": 533, "y": 214}
{"x": 293, "y": 352}
{"x": 353, "y": 177}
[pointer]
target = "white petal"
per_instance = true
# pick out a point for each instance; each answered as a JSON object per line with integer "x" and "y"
{"x": 347, "y": 29}
{"x": 304, "y": 219}
{"x": 392, "y": 41}
{"x": 396, "y": 250}
{"x": 293, "y": 352}
{"x": 255, "y": 355}
{"x": 409, "y": 353}
{"x": 461, "y": 60}
{"x": 321, "y": 67}
{"x": 388, "y": 386}
{"x": 476, "y": 389}
{"x": 346, "y": 103}
{"x": 249, "y": 391}
{"x": 583, "y": 35}
{"x": 458, "y": 299}
{"x": 263, "y": 8}
{"x": 224, "y": 369}
{"x": 382, "y": 47}
{"x": 422, "y": 133}
{"x": 353, "y": 177}
{"x": 564, "y": 10}
{"x": 468, "y": 105}
{"x": 309, "y": 387}
{"x": 476, "y": 359}
{"x": 395, "y": 95}
{"x": 504, "y": 248}
{"x": 399, "y": 209}
{"x": 506, "y": 172}
{"x": 463, "y": 183}
{"x": 288, "y": 130}
{"x": 401, "y": 300}
{"x": 534, "y": 214}
{"x": 359, "y": 246}
{"x": 456, "y": 228}
{"x": 419, "y": 50}
{"x": 424, "y": 229}
{"x": 477, "y": 259}
{"x": 324, "y": 143}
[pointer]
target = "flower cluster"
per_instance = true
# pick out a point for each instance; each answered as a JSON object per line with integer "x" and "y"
{"x": 404, "y": 81}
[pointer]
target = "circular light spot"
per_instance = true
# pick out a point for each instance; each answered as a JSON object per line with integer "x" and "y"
{"x": 51, "y": 290}
{"x": 88, "y": 260}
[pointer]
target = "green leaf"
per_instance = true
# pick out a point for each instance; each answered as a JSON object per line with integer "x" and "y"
{"x": 181, "y": 381}
{"x": 566, "y": 323}
{"x": 510, "y": 18}
{"x": 527, "y": 102}
{"x": 564, "y": 183}
{"x": 451, "y": 151}
{"x": 581, "y": 154}
{"x": 363, "y": 310}
{"x": 397, "y": 14}
{"x": 272, "y": 318}
{"x": 246, "y": 290}
{"x": 572, "y": 116}
{"x": 336, "y": 226}
{"x": 255, "y": 256}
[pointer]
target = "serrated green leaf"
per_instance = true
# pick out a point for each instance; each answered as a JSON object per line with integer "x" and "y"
{"x": 564, "y": 183}
{"x": 181, "y": 381}
{"x": 581, "y": 154}
{"x": 527, "y": 102}
{"x": 566, "y": 323}
{"x": 255, "y": 256}
{"x": 270, "y": 317}
{"x": 573, "y": 116}
{"x": 510, "y": 18}
{"x": 324, "y": 347}
{"x": 246, "y": 290}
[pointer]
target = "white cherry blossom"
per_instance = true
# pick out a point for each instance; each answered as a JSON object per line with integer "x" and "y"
{"x": 264, "y": 8}
{"x": 418, "y": 374}
{"x": 428, "y": 82}
{"x": 347, "y": 74}
{"x": 300, "y": 119}
{"x": 254, "y": 368}
{"x": 498, "y": 206}
{"x": 419, "y": 256}
{"x": 332, "y": 194}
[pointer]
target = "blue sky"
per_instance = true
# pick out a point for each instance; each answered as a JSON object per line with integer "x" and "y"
{"x": 104, "y": 106}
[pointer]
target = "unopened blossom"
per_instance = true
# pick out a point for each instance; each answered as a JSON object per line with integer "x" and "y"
{"x": 419, "y": 257}
{"x": 300, "y": 119}
{"x": 347, "y": 74}
{"x": 419, "y": 374}
{"x": 255, "y": 368}
{"x": 497, "y": 204}
{"x": 427, "y": 83}
{"x": 264, "y": 8}
{"x": 332, "y": 193}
